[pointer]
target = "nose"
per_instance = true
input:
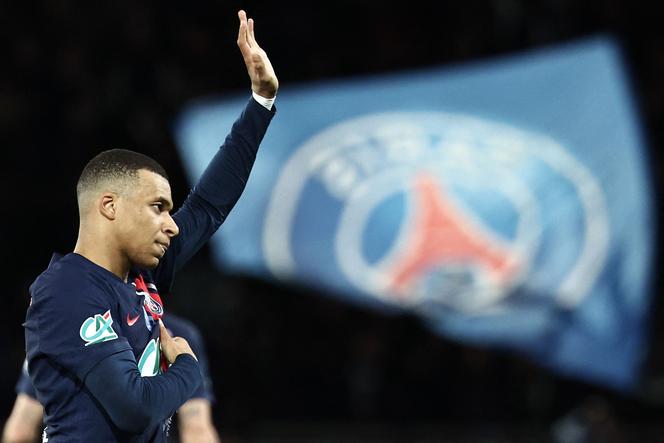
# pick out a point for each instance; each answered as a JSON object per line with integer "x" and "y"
{"x": 171, "y": 228}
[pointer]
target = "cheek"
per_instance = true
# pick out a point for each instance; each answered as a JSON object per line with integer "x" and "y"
{"x": 133, "y": 230}
{"x": 127, "y": 237}
{"x": 140, "y": 227}
{"x": 149, "y": 227}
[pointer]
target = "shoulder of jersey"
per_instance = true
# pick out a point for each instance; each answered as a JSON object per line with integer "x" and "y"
{"x": 63, "y": 276}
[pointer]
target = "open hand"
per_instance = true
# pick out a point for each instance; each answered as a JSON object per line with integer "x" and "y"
{"x": 263, "y": 79}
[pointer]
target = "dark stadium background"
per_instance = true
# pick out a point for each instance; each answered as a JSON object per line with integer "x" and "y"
{"x": 78, "y": 77}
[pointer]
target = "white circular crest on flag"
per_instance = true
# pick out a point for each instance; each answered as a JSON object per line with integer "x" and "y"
{"x": 445, "y": 165}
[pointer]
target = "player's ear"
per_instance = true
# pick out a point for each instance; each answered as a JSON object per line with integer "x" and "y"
{"x": 108, "y": 205}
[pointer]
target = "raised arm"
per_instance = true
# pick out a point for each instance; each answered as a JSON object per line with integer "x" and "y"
{"x": 225, "y": 177}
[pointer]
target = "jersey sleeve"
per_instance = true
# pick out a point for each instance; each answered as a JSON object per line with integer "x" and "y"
{"x": 136, "y": 403}
{"x": 72, "y": 322}
{"x": 217, "y": 191}
{"x": 24, "y": 384}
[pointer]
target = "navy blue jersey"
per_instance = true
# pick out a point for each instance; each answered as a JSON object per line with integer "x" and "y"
{"x": 178, "y": 327}
{"x": 81, "y": 314}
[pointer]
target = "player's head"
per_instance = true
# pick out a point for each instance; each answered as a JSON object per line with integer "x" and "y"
{"x": 124, "y": 199}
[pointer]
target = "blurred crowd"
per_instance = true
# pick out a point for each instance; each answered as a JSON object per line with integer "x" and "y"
{"x": 79, "y": 77}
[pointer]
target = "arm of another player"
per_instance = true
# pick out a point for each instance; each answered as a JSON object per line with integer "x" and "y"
{"x": 195, "y": 422}
{"x": 25, "y": 422}
{"x": 224, "y": 179}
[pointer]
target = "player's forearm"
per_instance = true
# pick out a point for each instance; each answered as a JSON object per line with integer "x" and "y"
{"x": 199, "y": 434}
{"x": 134, "y": 402}
{"x": 14, "y": 434}
{"x": 24, "y": 422}
{"x": 17, "y": 431}
{"x": 195, "y": 422}
{"x": 221, "y": 184}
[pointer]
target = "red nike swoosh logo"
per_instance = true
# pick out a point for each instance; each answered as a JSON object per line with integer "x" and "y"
{"x": 131, "y": 321}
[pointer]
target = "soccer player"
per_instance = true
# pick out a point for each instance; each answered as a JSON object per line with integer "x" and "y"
{"x": 194, "y": 423}
{"x": 101, "y": 361}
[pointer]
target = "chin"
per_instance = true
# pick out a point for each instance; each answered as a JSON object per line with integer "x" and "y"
{"x": 147, "y": 262}
{"x": 154, "y": 263}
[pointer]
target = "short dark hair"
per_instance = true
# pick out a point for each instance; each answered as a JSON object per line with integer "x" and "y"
{"x": 115, "y": 165}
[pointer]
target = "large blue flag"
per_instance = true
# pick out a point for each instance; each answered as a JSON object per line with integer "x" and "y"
{"x": 506, "y": 203}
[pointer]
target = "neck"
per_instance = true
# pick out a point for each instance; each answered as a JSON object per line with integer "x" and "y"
{"x": 100, "y": 252}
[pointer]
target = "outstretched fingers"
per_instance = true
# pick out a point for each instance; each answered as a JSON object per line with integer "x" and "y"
{"x": 250, "y": 35}
{"x": 263, "y": 79}
{"x": 242, "y": 34}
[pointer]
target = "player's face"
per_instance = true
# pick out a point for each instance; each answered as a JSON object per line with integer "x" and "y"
{"x": 145, "y": 222}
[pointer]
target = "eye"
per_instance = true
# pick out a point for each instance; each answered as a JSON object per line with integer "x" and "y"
{"x": 157, "y": 206}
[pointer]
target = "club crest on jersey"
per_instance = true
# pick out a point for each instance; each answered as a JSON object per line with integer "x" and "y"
{"x": 98, "y": 329}
{"x": 151, "y": 298}
{"x": 153, "y": 306}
